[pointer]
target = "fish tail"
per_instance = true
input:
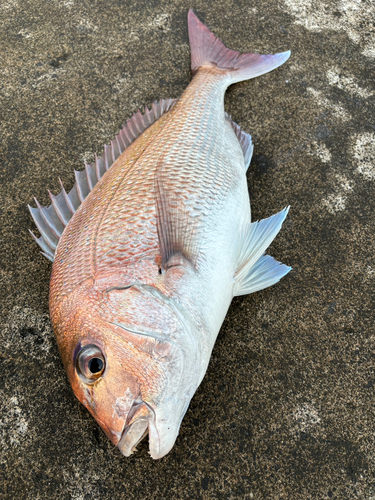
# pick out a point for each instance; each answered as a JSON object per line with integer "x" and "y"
{"x": 207, "y": 50}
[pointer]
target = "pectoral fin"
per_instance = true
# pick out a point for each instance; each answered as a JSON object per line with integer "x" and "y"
{"x": 52, "y": 220}
{"x": 257, "y": 271}
{"x": 177, "y": 229}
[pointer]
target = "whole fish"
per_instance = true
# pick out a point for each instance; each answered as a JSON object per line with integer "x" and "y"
{"x": 149, "y": 248}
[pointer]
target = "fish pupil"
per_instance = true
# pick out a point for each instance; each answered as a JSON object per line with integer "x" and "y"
{"x": 96, "y": 365}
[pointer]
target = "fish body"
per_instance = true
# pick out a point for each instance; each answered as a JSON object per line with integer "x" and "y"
{"x": 146, "y": 268}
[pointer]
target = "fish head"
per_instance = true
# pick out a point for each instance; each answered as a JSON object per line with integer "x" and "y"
{"x": 131, "y": 359}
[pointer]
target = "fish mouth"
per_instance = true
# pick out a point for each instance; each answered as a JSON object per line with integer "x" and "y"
{"x": 142, "y": 420}
{"x": 136, "y": 428}
{"x": 132, "y": 436}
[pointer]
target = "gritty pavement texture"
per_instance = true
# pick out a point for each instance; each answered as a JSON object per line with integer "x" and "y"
{"x": 287, "y": 407}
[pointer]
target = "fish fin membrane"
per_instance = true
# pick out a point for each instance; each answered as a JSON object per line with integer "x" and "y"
{"x": 207, "y": 50}
{"x": 176, "y": 227}
{"x": 244, "y": 140}
{"x": 52, "y": 220}
{"x": 265, "y": 272}
{"x": 257, "y": 271}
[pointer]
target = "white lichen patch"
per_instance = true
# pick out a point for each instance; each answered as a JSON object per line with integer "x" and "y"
{"x": 123, "y": 84}
{"x": 13, "y": 423}
{"x": 336, "y": 202}
{"x": 25, "y": 34}
{"x": 47, "y": 78}
{"x": 8, "y": 4}
{"x": 65, "y": 3}
{"x": 370, "y": 272}
{"x": 346, "y": 83}
{"x": 338, "y": 111}
{"x": 353, "y": 17}
{"x": 321, "y": 151}
{"x": 345, "y": 183}
{"x": 364, "y": 153}
{"x": 369, "y": 51}
{"x": 86, "y": 25}
{"x": 80, "y": 482}
{"x": 162, "y": 21}
{"x": 305, "y": 416}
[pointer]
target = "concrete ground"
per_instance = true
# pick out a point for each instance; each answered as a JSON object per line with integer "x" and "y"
{"x": 287, "y": 407}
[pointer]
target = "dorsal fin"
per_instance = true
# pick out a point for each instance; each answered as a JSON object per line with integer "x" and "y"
{"x": 244, "y": 139}
{"x": 52, "y": 220}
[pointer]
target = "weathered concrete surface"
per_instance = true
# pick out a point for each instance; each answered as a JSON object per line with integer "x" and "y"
{"x": 286, "y": 409}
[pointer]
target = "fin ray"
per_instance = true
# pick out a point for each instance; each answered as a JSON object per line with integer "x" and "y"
{"x": 264, "y": 273}
{"x": 43, "y": 228}
{"x": 52, "y": 220}
{"x": 61, "y": 208}
{"x": 207, "y": 50}
{"x": 254, "y": 269}
{"x": 175, "y": 227}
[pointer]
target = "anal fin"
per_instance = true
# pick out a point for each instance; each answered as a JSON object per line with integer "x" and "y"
{"x": 244, "y": 139}
{"x": 255, "y": 270}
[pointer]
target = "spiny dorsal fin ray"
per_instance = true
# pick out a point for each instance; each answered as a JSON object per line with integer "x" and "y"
{"x": 52, "y": 220}
{"x": 244, "y": 140}
{"x": 61, "y": 209}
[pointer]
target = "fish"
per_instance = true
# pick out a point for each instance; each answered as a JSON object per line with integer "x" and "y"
{"x": 151, "y": 245}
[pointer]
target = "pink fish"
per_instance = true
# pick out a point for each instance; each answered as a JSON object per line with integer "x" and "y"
{"x": 149, "y": 248}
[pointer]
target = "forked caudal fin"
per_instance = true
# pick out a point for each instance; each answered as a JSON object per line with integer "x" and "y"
{"x": 207, "y": 50}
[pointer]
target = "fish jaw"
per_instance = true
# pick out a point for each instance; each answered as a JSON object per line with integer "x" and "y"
{"x": 160, "y": 416}
{"x": 162, "y": 427}
{"x": 136, "y": 429}
{"x": 150, "y": 375}
{"x": 110, "y": 412}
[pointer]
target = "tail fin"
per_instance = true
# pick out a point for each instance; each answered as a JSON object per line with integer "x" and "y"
{"x": 207, "y": 50}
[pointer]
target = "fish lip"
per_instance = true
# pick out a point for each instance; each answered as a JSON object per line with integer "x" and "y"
{"x": 132, "y": 436}
{"x": 134, "y": 432}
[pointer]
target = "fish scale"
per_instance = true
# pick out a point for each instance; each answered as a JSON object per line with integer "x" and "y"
{"x": 149, "y": 248}
{"x": 128, "y": 210}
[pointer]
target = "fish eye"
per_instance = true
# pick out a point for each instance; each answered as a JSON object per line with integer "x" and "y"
{"x": 90, "y": 363}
